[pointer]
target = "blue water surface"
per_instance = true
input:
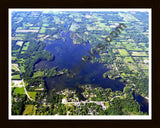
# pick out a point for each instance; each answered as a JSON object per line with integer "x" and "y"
{"x": 69, "y": 55}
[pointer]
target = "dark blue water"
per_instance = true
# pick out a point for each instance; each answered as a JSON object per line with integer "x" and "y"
{"x": 68, "y": 55}
{"x": 142, "y": 101}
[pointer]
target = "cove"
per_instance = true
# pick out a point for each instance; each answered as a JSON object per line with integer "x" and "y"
{"x": 68, "y": 55}
{"x": 142, "y": 101}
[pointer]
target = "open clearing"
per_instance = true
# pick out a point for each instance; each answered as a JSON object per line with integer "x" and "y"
{"x": 25, "y": 47}
{"x": 139, "y": 54}
{"x": 42, "y": 30}
{"x": 16, "y": 77}
{"x": 32, "y": 94}
{"x": 19, "y": 90}
{"x": 128, "y": 59}
{"x": 14, "y": 66}
{"x": 38, "y": 74}
{"x": 19, "y": 43}
{"x": 123, "y": 52}
{"x": 28, "y": 110}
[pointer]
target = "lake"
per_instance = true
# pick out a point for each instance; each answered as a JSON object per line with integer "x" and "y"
{"x": 68, "y": 55}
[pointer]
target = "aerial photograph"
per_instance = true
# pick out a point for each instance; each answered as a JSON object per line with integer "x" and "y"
{"x": 79, "y": 63}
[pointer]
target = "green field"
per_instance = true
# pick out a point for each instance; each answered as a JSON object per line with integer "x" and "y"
{"x": 102, "y": 25}
{"x": 22, "y": 52}
{"x": 107, "y": 104}
{"x": 45, "y": 25}
{"x": 21, "y": 61}
{"x": 27, "y": 24}
{"x": 20, "y": 35}
{"x": 128, "y": 59}
{"x": 38, "y": 74}
{"x": 28, "y": 110}
{"x": 139, "y": 54}
{"x": 32, "y": 94}
{"x": 123, "y": 52}
{"x": 16, "y": 50}
{"x": 123, "y": 74}
{"x": 19, "y": 90}
{"x": 22, "y": 68}
{"x": 132, "y": 67}
{"x": 42, "y": 30}
{"x": 19, "y": 28}
{"x": 129, "y": 46}
{"x": 16, "y": 77}
{"x": 34, "y": 28}
{"x": 14, "y": 67}
{"x": 25, "y": 46}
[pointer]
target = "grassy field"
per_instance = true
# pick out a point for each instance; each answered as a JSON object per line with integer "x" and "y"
{"x": 139, "y": 54}
{"x": 16, "y": 50}
{"x": 131, "y": 67}
{"x": 13, "y": 67}
{"x": 20, "y": 35}
{"x": 16, "y": 77}
{"x": 22, "y": 52}
{"x": 22, "y": 69}
{"x": 19, "y": 28}
{"x": 129, "y": 46}
{"x": 123, "y": 74}
{"x": 89, "y": 27}
{"x": 34, "y": 28}
{"x": 26, "y": 24}
{"x": 12, "y": 83}
{"x": 142, "y": 44}
{"x": 38, "y": 74}
{"x": 114, "y": 50}
{"x": 102, "y": 25}
{"x": 123, "y": 52}
{"x": 128, "y": 59}
{"x": 25, "y": 46}
{"x": 42, "y": 30}
{"x": 19, "y": 90}
{"x": 124, "y": 43}
{"x": 107, "y": 104}
{"x": 32, "y": 94}
{"x": 45, "y": 25}
{"x": 28, "y": 110}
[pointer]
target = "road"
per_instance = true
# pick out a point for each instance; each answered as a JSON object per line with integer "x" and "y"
{"x": 23, "y": 85}
{"x": 102, "y": 103}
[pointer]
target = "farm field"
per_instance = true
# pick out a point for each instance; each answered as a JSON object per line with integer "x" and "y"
{"x": 123, "y": 52}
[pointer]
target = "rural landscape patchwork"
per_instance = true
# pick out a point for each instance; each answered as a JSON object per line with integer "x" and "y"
{"x": 62, "y": 64}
